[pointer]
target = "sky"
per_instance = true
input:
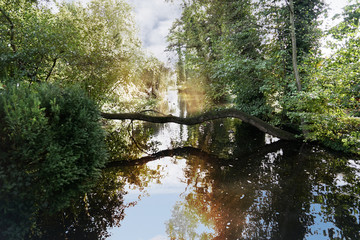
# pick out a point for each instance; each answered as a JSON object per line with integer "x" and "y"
{"x": 155, "y": 17}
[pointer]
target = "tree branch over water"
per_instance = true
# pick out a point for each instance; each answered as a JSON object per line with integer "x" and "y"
{"x": 207, "y": 116}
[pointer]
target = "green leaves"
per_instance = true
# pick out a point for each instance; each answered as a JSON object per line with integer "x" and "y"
{"x": 95, "y": 46}
{"x": 219, "y": 41}
{"x": 53, "y": 149}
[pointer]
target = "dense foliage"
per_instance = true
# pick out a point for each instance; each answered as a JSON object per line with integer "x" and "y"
{"x": 95, "y": 45}
{"x": 330, "y": 104}
{"x": 48, "y": 135}
{"x": 221, "y": 40}
{"x": 244, "y": 50}
{"x": 52, "y": 145}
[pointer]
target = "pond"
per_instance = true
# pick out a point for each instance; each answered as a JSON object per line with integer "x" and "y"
{"x": 222, "y": 180}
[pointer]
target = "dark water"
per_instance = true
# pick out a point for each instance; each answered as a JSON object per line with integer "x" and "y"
{"x": 222, "y": 180}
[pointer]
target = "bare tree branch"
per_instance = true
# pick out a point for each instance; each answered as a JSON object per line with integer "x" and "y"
{"x": 51, "y": 69}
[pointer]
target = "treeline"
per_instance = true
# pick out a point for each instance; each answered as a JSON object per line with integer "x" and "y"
{"x": 95, "y": 46}
{"x": 242, "y": 52}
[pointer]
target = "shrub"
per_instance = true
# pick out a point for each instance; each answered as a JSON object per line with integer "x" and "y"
{"x": 51, "y": 149}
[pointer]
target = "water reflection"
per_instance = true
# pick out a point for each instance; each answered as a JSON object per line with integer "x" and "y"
{"x": 218, "y": 180}
{"x": 89, "y": 216}
{"x": 234, "y": 183}
{"x": 284, "y": 194}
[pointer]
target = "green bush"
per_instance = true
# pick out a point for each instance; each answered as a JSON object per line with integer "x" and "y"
{"x": 51, "y": 150}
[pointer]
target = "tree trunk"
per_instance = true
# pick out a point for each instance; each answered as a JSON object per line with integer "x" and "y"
{"x": 207, "y": 116}
{"x": 293, "y": 43}
{"x": 294, "y": 59}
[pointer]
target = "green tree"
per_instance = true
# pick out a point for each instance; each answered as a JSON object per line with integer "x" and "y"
{"x": 278, "y": 20}
{"x": 220, "y": 41}
{"x": 95, "y": 46}
{"x": 331, "y": 103}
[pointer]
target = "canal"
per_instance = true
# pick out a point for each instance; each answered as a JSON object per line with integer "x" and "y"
{"x": 218, "y": 180}
{"x": 226, "y": 180}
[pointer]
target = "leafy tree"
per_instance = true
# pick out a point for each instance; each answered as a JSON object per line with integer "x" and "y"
{"x": 220, "y": 40}
{"x": 280, "y": 83}
{"x": 331, "y": 103}
{"x": 95, "y": 46}
{"x": 107, "y": 48}
{"x": 31, "y": 41}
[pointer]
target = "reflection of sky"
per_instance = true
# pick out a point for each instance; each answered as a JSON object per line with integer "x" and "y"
{"x": 320, "y": 229}
{"x": 171, "y": 132}
{"x": 146, "y": 220}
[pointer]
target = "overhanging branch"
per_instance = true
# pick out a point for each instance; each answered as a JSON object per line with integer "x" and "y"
{"x": 207, "y": 116}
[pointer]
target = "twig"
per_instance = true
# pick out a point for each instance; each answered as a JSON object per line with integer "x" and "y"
{"x": 133, "y": 139}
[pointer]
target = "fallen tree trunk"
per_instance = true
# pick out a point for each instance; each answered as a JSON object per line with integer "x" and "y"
{"x": 207, "y": 116}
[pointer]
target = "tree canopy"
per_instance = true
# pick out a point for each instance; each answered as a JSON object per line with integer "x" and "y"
{"x": 245, "y": 51}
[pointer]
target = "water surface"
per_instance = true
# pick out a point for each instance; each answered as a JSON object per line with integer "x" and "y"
{"x": 234, "y": 182}
{"x": 218, "y": 180}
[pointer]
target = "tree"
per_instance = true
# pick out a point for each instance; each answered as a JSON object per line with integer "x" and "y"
{"x": 293, "y": 45}
{"x": 292, "y": 35}
{"x": 330, "y": 104}
{"x": 220, "y": 41}
{"x": 95, "y": 46}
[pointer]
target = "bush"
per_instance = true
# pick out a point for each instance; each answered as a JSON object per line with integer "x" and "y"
{"x": 51, "y": 149}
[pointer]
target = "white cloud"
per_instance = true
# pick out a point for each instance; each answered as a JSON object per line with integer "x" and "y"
{"x": 159, "y": 237}
{"x": 154, "y": 18}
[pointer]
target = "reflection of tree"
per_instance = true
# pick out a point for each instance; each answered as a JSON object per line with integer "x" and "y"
{"x": 339, "y": 194}
{"x": 127, "y": 140}
{"x": 184, "y": 223}
{"x": 216, "y": 198}
{"x": 283, "y": 207}
{"x": 268, "y": 196}
{"x": 226, "y": 138}
{"x": 89, "y": 217}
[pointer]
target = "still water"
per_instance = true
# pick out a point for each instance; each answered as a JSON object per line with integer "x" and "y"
{"x": 218, "y": 180}
{"x": 224, "y": 180}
